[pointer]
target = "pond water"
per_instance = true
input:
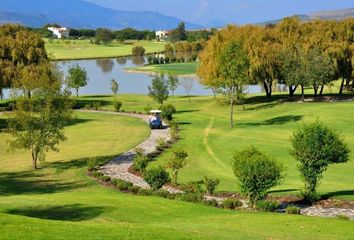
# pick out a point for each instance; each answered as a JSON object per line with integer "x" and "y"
{"x": 101, "y": 71}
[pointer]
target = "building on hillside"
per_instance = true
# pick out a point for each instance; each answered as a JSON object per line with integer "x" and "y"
{"x": 59, "y": 32}
{"x": 161, "y": 35}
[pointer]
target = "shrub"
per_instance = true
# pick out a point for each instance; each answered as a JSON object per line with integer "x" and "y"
{"x": 91, "y": 164}
{"x": 256, "y": 173}
{"x": 211, "y": 202}
{"x": 191, "y": 197}
{"x": 160, "y": 144}
{"x": 292, "y": 210}
{"x": 210, "y": 185}
{"x": 176, "y": 163}
{"x": 147, "y": 109}
{"x": 97, "y": 174}
{"x": 105, "y": 178}
{"x": 231, "y": 203}
{"x": 156, "y": 177}
{"x": 267, "y": 206}
{"x": 145, "y": 192}
{"x": 191, "y": 187}
{"x": 134, "y": 189}
{"x": 167, "y": 111}
{"x": 96, "y": 105}
{"x": 138, "y": 51}
{"x": 122, "y": 185}
{"x": 150, "y": 60}
{"x": 117, "y": 106}
{"x": 87, "y": 106}
{"x": 139, "y": 151}
{"x": 140, "y": 162}
{"x": 316, "y": 146}
{"x": 164, "y": 194}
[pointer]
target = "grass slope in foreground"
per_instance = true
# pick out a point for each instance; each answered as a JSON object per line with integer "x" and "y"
{"x": 267, "y": 125}
{"x": 83, "y": 49}
{"x": 188, "y": 68}
{"x": 61, "y": 202}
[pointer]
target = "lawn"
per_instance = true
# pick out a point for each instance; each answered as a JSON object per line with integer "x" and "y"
{"x": 59, "y": 201}
{"x": 84, "y": 49}
{"x": 188, "y": 68}
{"x": 268, "y": 125}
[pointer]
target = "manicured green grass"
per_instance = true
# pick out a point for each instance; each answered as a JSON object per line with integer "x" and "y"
{"x": 211, "y": 144}
{"x": 171, "y": 68}
{"x": 83, "y": 49}
{"x": 60, "y": 201}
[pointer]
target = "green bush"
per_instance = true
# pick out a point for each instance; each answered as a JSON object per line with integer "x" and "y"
{"x": 156, "y": 177}
{"x": 191, "y": 197}
{"x": 88, "y": 106}
{"x": 231, "y": 203}
{"x": 160, "y": 144}
{"x": 316, "y": 146}
{"x": 117, "y": 106}
{"x": 211, "y": 202}
{"x": 122, "y": 185}
{"x": 167, "y": 111}
{"x": 97, "y": 174}
{"x": 145, "y": 192}
{"x": 267, "y": 206}
{"x": 140, "y": 163}
{"x": 256, "y": 173}
{"x": 96, "y": 105}
{"x": 164, "y": 194}
{"x": 292, "y": 210}
{"x": 91, "y": 164}
{"x": 210, "y": 185}
{"x": 134, "y": 189}
{"x": 105, "y": 178}
{"x": 191, "y": 187}
{"x": 176, "y": 163}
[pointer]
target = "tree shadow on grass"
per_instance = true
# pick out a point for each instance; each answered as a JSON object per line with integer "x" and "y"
{"x": 3, "y": 124}
{"x": 275, "y": 121}
{"x": 187, "y": 111}
{"x": 74, "y": 212}
{"x": 31, "y": 182}
{"x": 284, "y": 190}
{"x": 337, "y": 194}
{"x": 76, "y": 121}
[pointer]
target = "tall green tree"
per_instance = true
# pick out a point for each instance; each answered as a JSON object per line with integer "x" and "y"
{"x": 38, "y": 121}
{"x": 172, "y": 82}
{"x": 179, "y": 33}
{"x": 77, "y": 77}
{"x": 316, "y": 147}
{"x": 233, "y": 66}
{"x": 159, "y": 89}
{"x": 114, "y": 86}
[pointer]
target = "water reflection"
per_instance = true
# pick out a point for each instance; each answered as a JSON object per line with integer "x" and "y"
{"x": 138, "y": 60}
{"x": 121, "y": 61}
{"x": 106, "y": 65}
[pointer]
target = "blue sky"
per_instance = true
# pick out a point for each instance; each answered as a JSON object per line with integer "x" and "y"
{"x": 228, "y": 11}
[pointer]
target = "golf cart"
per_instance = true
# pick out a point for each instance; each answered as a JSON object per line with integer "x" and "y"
{"x": 155, "y": 121}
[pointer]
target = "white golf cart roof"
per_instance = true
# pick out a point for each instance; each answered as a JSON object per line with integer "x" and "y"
{"x": 155, "y": 111}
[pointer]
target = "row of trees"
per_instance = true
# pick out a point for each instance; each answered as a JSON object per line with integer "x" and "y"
{"x": 309, "y": 54}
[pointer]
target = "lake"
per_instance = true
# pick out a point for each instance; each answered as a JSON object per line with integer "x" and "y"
{"x": 101, "y": 71}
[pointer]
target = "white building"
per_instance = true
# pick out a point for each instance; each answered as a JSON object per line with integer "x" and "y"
{"x": 59, "y": 32}
{"x": 161, "y": 35}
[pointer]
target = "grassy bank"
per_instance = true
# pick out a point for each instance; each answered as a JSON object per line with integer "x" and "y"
{"x": 59, "y": 201}
{"x": 84, "y": 49}
{"x": 189, "y": 68}
{"x": 268, "y": 125}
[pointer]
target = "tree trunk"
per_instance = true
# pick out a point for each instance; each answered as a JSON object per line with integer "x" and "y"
{"x": 268, "y": 88}
{"x": 77, "y": 93}
{"x": 321, "y": 91}
{"x": 315, "y": 89}
{"x": 347, "y": 85}
{"x": 302, "y": 93}
{"x": 232, "y": 109}
{"x": 341, "y": 86}
{"x": 352, "y": 84}
{"x": 214, "y": 92}
{"x": 292, "y": 90}
{"x": 34, "y": 160}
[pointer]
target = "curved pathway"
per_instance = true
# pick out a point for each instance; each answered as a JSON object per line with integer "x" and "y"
{"x": 119, "y": 168}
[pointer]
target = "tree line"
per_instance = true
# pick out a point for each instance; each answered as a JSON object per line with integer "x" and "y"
{"x": 299, "y": 54}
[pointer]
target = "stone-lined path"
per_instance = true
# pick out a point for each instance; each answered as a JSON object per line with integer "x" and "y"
{"x": 119, "y": 168}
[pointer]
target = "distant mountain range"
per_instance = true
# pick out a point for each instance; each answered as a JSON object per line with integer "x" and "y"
{"x": 335, "y": 15}
{"x": 82, "y": 14}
